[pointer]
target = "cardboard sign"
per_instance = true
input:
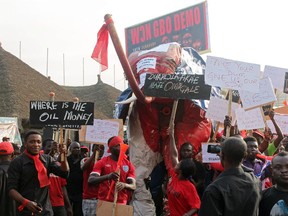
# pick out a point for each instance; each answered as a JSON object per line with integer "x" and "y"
{"x": 177, "y": 86}
{"x": 209, "y": 157}
{"x": 232, "y": 74}
{"x": 105, "y": 208}
{"x": 218, "y": 109}
{"x": 276, "y": 75}
{"x": 61, "y": 113}
{"x": 249, "y": 120}
{"x": 188, "y": 27}
{"x": 282, "y": 121}
{"x": 265, "y": 96}
{"x": 101, "y": 131}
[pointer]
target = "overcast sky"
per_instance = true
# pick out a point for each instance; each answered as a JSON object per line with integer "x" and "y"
{"x": 253, "y": 31}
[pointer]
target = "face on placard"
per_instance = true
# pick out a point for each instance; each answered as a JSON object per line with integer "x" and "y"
{"x": 34, "y": 144}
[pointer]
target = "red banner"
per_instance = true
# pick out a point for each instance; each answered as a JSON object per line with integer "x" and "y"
{"x": 188, "y": 27}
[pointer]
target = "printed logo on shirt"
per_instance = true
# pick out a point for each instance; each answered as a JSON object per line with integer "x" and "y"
{"x": 125, "y": 168}
{"x": 107, "y": 165}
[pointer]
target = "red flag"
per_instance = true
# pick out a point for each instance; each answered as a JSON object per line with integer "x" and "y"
{"x": 100, "y": 52}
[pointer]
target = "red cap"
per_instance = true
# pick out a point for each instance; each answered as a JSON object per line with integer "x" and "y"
{"x": 114, "y": 142}
{"x": 6, "y": 148}
{"x": 84, "y": 148}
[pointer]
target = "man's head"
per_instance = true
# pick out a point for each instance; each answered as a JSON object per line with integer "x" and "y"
{"x": 114, "y": 145}
{"x": 233, "y": 150}
{"x": 186, "y": 167}
{"x": 33, "y": 142}
{"x": 252, "y": 147}
{"x": 186, "y": 150}
{"x": 75, "y": 148}
{"x": 50, "y": 147}
{"x": 280, "y": 170}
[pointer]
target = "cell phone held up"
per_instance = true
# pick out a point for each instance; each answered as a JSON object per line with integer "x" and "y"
{"x": 214, "y": 149}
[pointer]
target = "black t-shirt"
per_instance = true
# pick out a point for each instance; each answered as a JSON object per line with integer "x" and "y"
{"x": 273, "y": 202}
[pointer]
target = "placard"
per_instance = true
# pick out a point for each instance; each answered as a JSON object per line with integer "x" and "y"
{"x": 276, "y": 75}
{"x": 209, "y": 157}
{"x": 265, "y": 96}
{"x": 105, "y": 208}
{"x": 250, "y": 119}
{"x": 282, "y": 121}
{"x": 101, "y": 131}
{"x": 61, "y": 113}
{"x": 177, "y": 86}
{"x": 218, "y": 109}
{"x": 232, "y": 74}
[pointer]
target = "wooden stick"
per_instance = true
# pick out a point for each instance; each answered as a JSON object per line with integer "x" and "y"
{"x": 173, "y": 113}
{"x": 229, "y": 111}
{"x": 115, "y": 197}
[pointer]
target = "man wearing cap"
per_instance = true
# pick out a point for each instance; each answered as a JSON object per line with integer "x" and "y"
{"x": 7, "y": 205}
{"x": 104, "y": 172}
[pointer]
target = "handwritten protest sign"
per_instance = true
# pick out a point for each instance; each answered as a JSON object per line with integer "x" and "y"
{"x": 61, "y": 113}
{"x": 218, "y": 108}
{"x": 101, "y": 130}
{"x": 276, "y": 75}
{"x": 177, "y": 86}
{"x": 209, "y": 157}
{"x": 232, "y": 74}
{"x": 249, "y": 120}
{"x": 282, "y": 121}
{"x": 265, "y": 96}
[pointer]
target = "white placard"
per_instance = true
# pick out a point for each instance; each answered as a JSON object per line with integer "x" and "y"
{"x": 265, "y": 96}
{"x": 102, "y": 130}
{"x": 232, "y": 74}
{"x": 218, "y": 109}
{"x": 249, "y": 120}
{"x": 277, "y": 76}
{"x": 282, "y": 121}
{"x": 208, "y": 157}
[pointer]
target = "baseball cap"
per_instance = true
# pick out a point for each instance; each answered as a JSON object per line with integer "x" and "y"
{"x": 6, "y": 148}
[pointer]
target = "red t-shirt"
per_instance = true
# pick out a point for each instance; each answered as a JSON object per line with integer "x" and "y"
{"x": 89, "y": 191}
{"x": 55, "y": 190}
{"x": 182, "y": 196}
{"x": 105, "y": 166}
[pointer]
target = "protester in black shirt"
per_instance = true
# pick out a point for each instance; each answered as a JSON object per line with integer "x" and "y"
{"x": 235, "y": 191}
{"x": 275, "y": 199}
{"x": 28, "y": 180}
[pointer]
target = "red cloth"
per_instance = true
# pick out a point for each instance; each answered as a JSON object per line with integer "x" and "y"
{"x": 100, "y": 52}
{"x": 41, "y": 169}
{"x": 105, "y": 166}
{"x": 89, "y": 191}
{"x": 55, "y": 190}
{"x": 182, "y": 196}
{"x": 114, "y": 142}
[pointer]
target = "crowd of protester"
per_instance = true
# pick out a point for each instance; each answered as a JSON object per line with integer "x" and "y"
{"x": 46, "y": 178}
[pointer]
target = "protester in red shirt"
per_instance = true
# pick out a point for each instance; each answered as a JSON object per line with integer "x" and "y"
{"x": 183, "y": 199}
{"x": 104, "y": 172}
{"x": 57, "y": 189}
{"x": 90, "y": 192}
